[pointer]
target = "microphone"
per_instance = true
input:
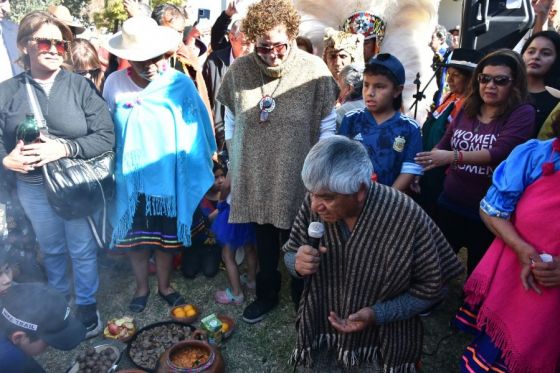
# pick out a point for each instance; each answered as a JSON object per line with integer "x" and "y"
{"x": 315, "y": 232}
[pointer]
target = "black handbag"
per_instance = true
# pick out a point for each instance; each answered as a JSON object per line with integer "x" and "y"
{"x": 77, "y": 188}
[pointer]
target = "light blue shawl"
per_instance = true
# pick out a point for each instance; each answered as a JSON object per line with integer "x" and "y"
{"x": 164, "y": 145}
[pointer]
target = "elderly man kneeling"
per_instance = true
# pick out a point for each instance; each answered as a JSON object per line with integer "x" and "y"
{"x": 381, "y": 261}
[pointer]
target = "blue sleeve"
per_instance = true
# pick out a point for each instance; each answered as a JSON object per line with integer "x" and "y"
{"x": 349, "y": 124}
{"x": 409, "y": 166}
{"x": 513, "y": 176}
{"x": 402, "y": 307}
{"x": 344, "y": 129}
{"x": 290, "y": 262}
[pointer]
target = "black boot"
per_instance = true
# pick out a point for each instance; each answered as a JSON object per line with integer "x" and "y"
{"x": 268, "y": 287}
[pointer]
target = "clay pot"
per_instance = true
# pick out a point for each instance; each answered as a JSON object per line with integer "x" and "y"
{"x": 181, "y": 347}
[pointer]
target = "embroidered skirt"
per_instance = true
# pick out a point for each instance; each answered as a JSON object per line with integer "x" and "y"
{"x": 153, "y": 232}
{"x": 481, "y": 355}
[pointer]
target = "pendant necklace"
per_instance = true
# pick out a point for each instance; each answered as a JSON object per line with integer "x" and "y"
{"x": 477, "y": 127}
{"x": 267, "y": 104}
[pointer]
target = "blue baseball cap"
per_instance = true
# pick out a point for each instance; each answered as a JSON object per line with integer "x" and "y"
{"x": 391, "y": 63}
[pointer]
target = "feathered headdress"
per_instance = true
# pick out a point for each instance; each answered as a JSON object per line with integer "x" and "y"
{"x": 409, "y": 25}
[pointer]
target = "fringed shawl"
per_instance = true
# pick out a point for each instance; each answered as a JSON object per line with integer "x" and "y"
{"x": 164, "y": 147}
{"x": 394, "y": 248}
{"x": 524, "y": 325}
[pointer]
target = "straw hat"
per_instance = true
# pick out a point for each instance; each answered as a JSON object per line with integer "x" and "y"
{"x": 62, "y": 13}
{"x": 142, "y": 39}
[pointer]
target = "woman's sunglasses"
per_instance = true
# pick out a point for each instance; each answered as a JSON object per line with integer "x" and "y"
{"x": 277, "y": 48}
{"x": 499, "y": 80}
{"x": 45, "y": 45}
{"x": 87, "y": 72}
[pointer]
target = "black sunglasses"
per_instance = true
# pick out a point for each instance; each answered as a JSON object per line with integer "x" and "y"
{"x": 45, "y": 45}
{"x": 86, "y": 72}
{"x": 277, "y": 48}
{"x": 499, "y": 80}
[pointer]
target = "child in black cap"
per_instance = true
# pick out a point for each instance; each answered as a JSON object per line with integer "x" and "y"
{"x": 32, "y": 317}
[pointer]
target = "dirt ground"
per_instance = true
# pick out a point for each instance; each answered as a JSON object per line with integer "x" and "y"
{"x": 264, "y": 347}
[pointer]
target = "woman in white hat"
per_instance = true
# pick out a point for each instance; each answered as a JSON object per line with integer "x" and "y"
{"x": 164, "y": 149}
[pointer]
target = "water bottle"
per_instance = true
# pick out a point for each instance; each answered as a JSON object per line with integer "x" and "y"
{"x": 28, "y": 130}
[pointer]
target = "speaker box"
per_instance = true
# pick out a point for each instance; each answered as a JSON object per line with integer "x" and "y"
{"x": 488, "y": 25}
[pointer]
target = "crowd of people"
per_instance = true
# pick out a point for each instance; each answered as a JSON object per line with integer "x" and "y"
{"x": 243, "y": 143}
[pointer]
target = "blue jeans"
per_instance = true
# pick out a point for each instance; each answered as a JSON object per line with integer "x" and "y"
{"x": 59, "y": 238}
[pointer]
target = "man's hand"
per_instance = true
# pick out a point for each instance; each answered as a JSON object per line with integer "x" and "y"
{"x": 355, "y": 322}
{"x": 547, "y": 274}
{"x": 131, "y": 7}
{"x": 231, "y": 9}
{"x": 308, "y": 259}
{"x": 541, "y": 6}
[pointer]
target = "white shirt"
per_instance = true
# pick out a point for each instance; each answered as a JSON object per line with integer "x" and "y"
{"x": 118, "y": 87}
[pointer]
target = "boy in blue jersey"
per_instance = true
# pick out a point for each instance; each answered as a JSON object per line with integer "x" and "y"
{"x": 391, "y": 138}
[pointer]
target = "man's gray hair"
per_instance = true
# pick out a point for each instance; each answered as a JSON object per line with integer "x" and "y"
{"x": 352, "y": 75}
{"x": 337, "y": 164}
{"x": 235, "y": 28}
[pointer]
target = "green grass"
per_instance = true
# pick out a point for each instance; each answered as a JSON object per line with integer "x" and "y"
{"x": 264, "y": 347}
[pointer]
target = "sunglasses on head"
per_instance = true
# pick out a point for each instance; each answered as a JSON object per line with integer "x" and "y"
{"x": 499, "y": 80}
{"x": 276, "y": 48}
{"x": 45, "y": 45}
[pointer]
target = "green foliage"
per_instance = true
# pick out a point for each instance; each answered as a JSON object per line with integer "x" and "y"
{"x": 155, "y": 3}
{"x": 114, "y": 12}
{"x": 77, "y": 8}
{"x": 20, "y": 8}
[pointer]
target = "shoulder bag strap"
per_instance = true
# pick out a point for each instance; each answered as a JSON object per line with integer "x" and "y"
{"x": 34, "y": 103}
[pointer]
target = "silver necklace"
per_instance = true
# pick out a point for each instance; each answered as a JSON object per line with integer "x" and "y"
{"x": 267, "y": 104}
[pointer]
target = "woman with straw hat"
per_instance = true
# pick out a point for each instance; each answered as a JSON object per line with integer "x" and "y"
{"x": 164, "y": 148}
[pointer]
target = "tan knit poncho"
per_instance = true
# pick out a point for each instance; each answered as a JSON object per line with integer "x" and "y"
{"x": 266, "y": 159}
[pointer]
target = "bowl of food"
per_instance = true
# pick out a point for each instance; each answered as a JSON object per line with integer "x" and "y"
{"x": 185, "y": 313}
{"x": 100, "y": 358}
{"x": 122, "y": 329}
{"x": 149, "y": 343}
{"x": 228, "y": 325}
{"x": 190, "y": 357}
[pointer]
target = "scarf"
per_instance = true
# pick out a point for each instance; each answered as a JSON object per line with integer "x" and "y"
{"x": 266, "y": 159}
{"x": 164, "y": 145}
{"x": 523, "y": 324}
{"x": 394, "y": 248}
